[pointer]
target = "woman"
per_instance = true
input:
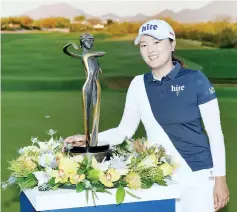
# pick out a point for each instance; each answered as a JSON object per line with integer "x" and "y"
{"x": 171, "y": 101}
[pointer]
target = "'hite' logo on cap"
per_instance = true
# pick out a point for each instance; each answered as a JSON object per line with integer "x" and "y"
{"x": 149, "y": 27}
{"x": 177, "y": 89}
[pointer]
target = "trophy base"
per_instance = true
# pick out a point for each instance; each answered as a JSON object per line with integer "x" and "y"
{"x": 99, "y": 152}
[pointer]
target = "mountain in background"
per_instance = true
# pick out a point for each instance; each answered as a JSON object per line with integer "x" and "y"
{"x": 209, "y": 12}
{"x": 59, "y": 9}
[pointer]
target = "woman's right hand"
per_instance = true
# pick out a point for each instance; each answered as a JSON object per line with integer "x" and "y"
{"x": 75, "y": 140}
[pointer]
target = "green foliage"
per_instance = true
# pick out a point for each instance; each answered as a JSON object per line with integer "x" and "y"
{"x": 110, "y": 21}
{"x": 120, "y": 195}
{"x": 80, "y": 171}
{"x": 132, "y": 194}
{"x": 62, "y": 22}
{"x": 161, "y": 182}
{"x": 93, "y": 174}
{"x": 79, "y": 18}
{"x": 227, "y": 38}
{"x": 80, "y": 28}
{"x": 146, "y": 184}
{"x": 29, "y": 182}
{"x": 99, "y": 187}
{"x": 80, "y": 187}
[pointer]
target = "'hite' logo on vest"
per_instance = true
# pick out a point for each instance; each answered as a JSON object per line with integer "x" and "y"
{"x": 149, "y": 27}
{"x": 177, "y": 89}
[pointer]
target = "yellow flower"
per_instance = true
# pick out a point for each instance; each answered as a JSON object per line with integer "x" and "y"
{"x": 23, "y": 166}
{"x": 166, "y": 168}
{"x": 58, "y": 157}
{"x": 74, "y": 179}
{"x": 60, "y": 176}
{"x": 29, "y": 164}
{"x": 109, "y": 177}
{"x": 133, "y": 180}
{"x": 68, "y": 166}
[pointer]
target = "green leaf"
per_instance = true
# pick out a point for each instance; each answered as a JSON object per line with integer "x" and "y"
{"x": 80, "y": 171}
{"x": 87, "y": 196}
{"x": 55, "y": 187}
{"x": 29, "y": 182}
{"x": 120, "y": 194}
{"x": 93, "y": 174}
{"x": 161, "y": 182}
{"x": 80, "y": 187}
{"x": 108, "y": 192}
{"x": 51, "y": 182}
{"x": 146, "y": 184}
{"x": 99, "y": 187}
{"x": 158, "y": 178}
{"x": 133, "y": 195}
{"x": 20, "y": 179}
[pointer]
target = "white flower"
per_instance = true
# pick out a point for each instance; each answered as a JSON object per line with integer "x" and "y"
{"x": 78, "y": 158}
{"x": 47, "y": 117}
{"x": 48, "y": 169}
{"x": 147, "y": 145}
{"x": 53, "y": 143}
{"x": 120, "y": 164}
{"x": 51, "y": 132}
{"x": 87, "y": 183}
{"x": 100, "y": 166}
{"x": 148, "y": 161}
{"x": 60, "y": 140}
{"x": 12, "y": 180}
{"x": 21, "y": 151}
{"x": 48, "y": 160}
{"x": 31, "y": 149}
{"x": 27, "y": 149}
{"x": 129, "y": 160}
{"x": 129, "y": 146}
{"x": 34, "y": 139}
{"x": 163, "y": 159}
{"x": 69, "y": 146}
{"x": 42, "y": 177}
{"x": 122, "y": 171}
{"x": 44, "y": 147}
{"x": 4, "y": 186}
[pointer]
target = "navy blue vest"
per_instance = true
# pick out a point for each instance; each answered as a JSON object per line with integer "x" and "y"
{"x": 174, "y": 102}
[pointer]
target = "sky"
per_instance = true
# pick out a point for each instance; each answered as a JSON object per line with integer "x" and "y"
{"x": 98, "y": 7}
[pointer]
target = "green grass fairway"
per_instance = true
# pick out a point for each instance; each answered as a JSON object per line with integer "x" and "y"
{"x": 36, "y": 61}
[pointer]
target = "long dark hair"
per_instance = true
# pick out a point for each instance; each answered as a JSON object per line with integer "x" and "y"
{"x": 183, "y": 65}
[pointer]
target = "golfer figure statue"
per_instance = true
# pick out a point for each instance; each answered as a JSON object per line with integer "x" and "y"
{"x": 91, "y": 91}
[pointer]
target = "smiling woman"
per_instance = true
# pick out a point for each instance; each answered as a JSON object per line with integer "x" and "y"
{"x": 171, "y": 101}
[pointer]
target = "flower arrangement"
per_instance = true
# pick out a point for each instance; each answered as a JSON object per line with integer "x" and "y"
{"x": 135, "y": 164}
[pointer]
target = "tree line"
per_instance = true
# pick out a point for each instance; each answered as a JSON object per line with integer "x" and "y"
{"x": 219, "y": 33}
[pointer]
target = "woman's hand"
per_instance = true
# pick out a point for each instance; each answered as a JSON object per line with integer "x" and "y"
{"x": 75, "y": 140}
{"x": 221, "y": 193}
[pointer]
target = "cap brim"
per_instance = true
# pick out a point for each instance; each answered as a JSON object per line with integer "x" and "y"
{"x": 138, "y": 38}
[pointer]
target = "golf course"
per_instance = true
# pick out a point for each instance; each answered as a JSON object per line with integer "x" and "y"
{"x": 41, "y": 90}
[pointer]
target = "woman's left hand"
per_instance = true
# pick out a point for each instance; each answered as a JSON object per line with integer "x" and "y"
{"x": 221, "y": 193}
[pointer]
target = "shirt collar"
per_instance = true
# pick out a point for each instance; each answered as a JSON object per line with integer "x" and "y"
{"x": 172, "y": 75}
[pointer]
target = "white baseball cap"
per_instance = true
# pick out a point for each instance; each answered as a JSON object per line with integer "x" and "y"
{"x": 156, "y": 28}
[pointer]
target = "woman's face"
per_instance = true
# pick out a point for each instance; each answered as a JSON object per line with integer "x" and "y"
{"x": 155, "y": 52}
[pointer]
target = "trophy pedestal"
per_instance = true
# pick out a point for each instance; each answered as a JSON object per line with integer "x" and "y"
{"x": 99, "y": 152}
